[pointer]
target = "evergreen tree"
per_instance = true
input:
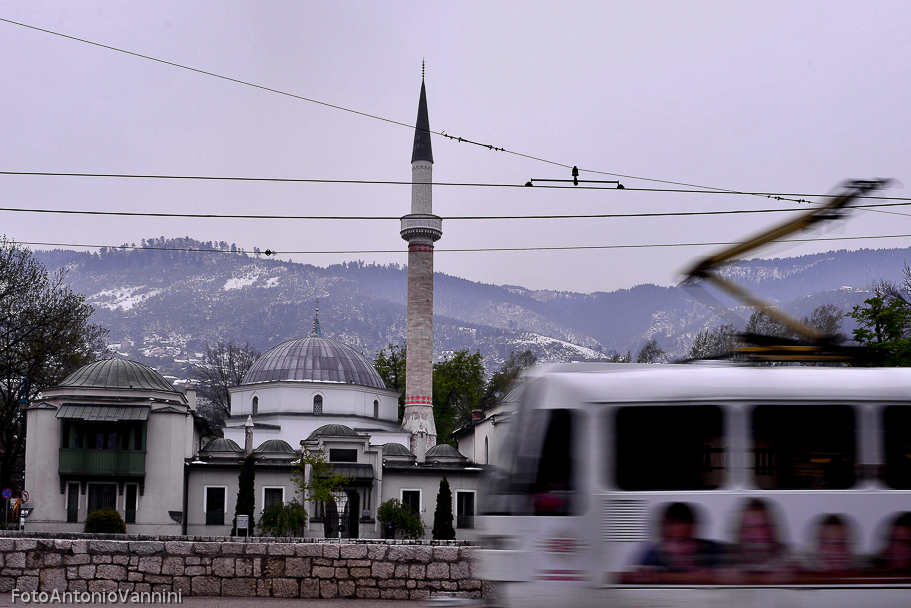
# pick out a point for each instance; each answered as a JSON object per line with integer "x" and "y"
{"x": 442, "y": 516}
{"x": 246, "y": 493}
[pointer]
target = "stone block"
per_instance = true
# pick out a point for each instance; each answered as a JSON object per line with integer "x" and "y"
{"x": 419, "y": 594}
{"x": 392, "y": 583}
{"x": 26, "y": 544}
{"x": 151, "y": 565}
{"x": 359, "y": 572}
{"x": 308, "y": 550}
{"x": 243, "y": 566}
{"x": 353, "y": 551}
{"x": 285, "y": 587}
{"x": 128, "y": 587}
{"x": 468, "y": 554}
{"x": 346, "y": 588}
{"x": 232, "y": 548}
{"x": 86, "y": 572}
{"x": 80, "y": 546}
{"x": 376, "y": 552}
{"x": 157, "y": 579}
{"x": 7, "y": 544}
{"x": 102, "y": 586}
{"x": 423, "y": 554}
{"x": 394, "y": 594}
{"x": 181, "y": 584}
{"x": 72, "y": 572}
{"x": 341, "y": 573}
{"x": 15, "y": 560}
{"x": 111, "y": 572}
{"x": 108, "y": 546}
{"x": 309, "y": 588}
{"x": 328, "y": 589}
{"x": 238, "y": 587}
{"x": 331, "y": 551}
{"x": 33, "y": 560}
{"x": 207, "y": 548}
{"x": 162, "y": 588}
{"x": 192, "y": 561}
{"x": 135, "y": 577}
{"x": 459, "y": 570}
{"x": 274, "y": 567}
{"x": 359, "y": 563}
{"x": 76, "y": 560}
{"x": 134, "y": 561}
{"x": 445, "y": 554}
{"x": 438, "y": 570}
{"x": 146, "y": 547}
{"x": 257, "y": 567}
{"x": 367, "y": 593}
{"x": 264, "y": 587}
{"x": 52, "y": 578}
{"x": 223, "y": 566}
{"x": 411, "y": 583}
{"x": 77, "y": 586}
{"x": 121, "y": 560}
{"x": 297, "y": 567}
{"x": 323, "y": 572}
{"x": 417, "y": 572}
{"x": 53, "y": 559}
{"x": 449, "y": 585}
{"x": 401, "y": 570}
{"x": 205, "y": 585}
{"x": 256, "y": 549}
{"x": 321, "y": 561}
{"x": 142, "y": 588}
{"x": 366, "y": 582}
{"x": 63, "y": 544}
{"x": 172, "y": 566}
{"x": 382, "y": 570}
{"x": 469, "y": 584}
{"x": 177, "y": 547}
{"x": 281, "y": 549}
{"x": 400, "y": 553}
{"x": 101, "y": 559}
{"x": 27, "y": 583}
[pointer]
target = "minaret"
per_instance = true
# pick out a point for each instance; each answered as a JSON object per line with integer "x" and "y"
{"x": 420, "y": 228}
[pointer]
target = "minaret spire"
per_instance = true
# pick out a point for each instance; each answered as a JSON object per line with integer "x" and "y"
{"x": 421, "y": 229}
{"x": 316, "y": 333}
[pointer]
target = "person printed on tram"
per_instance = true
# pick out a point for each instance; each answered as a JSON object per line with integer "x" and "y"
{"x": 896, "y": 555}
{"x": 834, "y": 552}
{"x": 678, "y": 549}
{"x": 759, "y": 548}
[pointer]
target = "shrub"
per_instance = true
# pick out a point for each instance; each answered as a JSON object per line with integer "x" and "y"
{"x": 442, "y": 516}
{"x": 401, "y": 518}
{"x": 283, "y": 519}
{"x": 105, "y": 521}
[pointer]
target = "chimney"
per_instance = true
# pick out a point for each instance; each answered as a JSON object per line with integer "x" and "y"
{"x": 248, "y": 436}
{"x": 191, "y": 396}
{"x": 477, "y": 415}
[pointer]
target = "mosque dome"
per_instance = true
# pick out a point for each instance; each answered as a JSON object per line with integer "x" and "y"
{"x": 221, "y": 445}
{"x": 396, "y": 449}
{"x": 444, "y": 453}
{"x": 274, "y": 446}
{"x": 314, "y": 359}
{"x": 117, "y": 373}
{"x": 332, "y": 430}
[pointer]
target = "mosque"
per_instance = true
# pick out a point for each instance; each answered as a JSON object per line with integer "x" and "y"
{"x": 126, "y": 439}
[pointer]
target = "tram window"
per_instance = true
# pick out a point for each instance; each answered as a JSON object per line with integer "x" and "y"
{"x": 897, "y": 425}
{"x": 803, "y": 447}
{"x": 669, "y": 448}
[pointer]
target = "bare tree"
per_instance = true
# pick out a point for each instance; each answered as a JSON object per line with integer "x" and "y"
{"x": 651, "y": 353}
{"x": 224, "y": 365}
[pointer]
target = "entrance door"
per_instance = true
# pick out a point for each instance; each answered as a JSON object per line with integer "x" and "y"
{"x": 354, "y": 512}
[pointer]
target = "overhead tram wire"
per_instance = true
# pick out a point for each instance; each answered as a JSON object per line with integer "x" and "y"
{"x": 466, "y": 250}
{"x": 373, "y": 116}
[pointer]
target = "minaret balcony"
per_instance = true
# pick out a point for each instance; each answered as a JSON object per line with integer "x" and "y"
{"x": 422, "y": 225}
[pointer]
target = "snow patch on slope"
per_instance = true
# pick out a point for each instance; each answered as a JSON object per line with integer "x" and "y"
{"x": 124, "y": 298}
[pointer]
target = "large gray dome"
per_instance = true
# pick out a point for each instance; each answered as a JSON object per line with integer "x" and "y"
{"x": 117, "y": 373}
{"x": 314, "y": 359}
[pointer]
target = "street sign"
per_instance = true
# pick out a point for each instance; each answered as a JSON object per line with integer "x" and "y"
{"x": 7, "y": 494}
{"x": 24, "y": 496}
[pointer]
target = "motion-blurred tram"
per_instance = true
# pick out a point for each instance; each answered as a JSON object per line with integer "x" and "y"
{"x": 602, "y": 456}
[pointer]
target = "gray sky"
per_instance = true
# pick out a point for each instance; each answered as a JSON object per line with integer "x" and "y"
{"x": 756, "y": 96}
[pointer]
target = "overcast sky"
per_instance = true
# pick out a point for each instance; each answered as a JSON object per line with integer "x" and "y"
{"x": 751, "y": 96}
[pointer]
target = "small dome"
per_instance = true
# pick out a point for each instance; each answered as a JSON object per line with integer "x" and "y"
{"x": 117, "y": 373}
{"x": 443, "y": 451}
{"x": 332, "y": 430}
{"x": 274, "y": 446}
{"x": 314, "y": 359}
{"x": 222, "y": 445}
{"x": 396, "y": 450}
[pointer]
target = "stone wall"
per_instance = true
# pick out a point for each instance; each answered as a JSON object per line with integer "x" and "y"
{"x": 224, "y": 566}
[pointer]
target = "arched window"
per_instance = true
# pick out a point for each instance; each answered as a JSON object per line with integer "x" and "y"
{"x": 376, "y": 408}
{"x": 486, "y": 452}
{"x": 318, "y": 405}
{"x": 255, "y": 405}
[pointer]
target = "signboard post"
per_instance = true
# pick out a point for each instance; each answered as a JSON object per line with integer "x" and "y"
{"x": 7, "y": 494}
{"x": 243, "y": 522}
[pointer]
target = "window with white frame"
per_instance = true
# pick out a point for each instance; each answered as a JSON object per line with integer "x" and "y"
{"x": 273, "y": 496}
{"x": 214, "y": 504}
{"x": 412, "y": 500}
{"x": 465, "y": 508}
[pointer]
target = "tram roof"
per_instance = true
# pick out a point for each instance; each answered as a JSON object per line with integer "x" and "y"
{"x": 725, "y": 382}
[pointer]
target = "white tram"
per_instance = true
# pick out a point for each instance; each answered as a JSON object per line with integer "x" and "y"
{"x": 598, "y": 450}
